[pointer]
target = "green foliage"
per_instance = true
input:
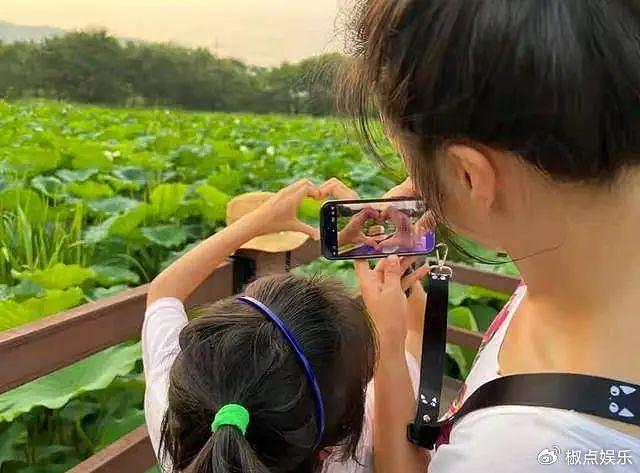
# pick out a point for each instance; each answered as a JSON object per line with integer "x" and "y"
{"x": 17, "y": 200}
{"x": 52, "y": 301}
{"x": 31, "y": 160}
{"x": 462, "y": 317}
{"x": 94, "y": 67}
{"x": 114, "y": 196}
{"x": 59, "y": 276}
{"x": 90, "y": 190}
{"x": 97, "y": 293}
{"x": 132, "y": 189}
{"x": 56, "y": 389}
{"x": 28, "y": 243}
{"x": 120, "y": 195}
{"x": 49, "y": 186}
{"x": 128, "y": 222}
{"x": 129, "y": 177}
{"x": 87, "y": 156}
{"x": 114, "y": 205}
{"x": 213, "y": 204}
{"x": 165, "y": 200}
{"x": 54, "y": 422}
{"x": 81, "y": 175}
{"x": 309, "y": 210}
{"x": 168, "y": 236}
{"x": 112, "y": 275}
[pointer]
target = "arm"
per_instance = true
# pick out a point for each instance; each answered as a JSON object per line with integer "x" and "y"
{"x": 395, "y": 406}
{"x": 187, "y": 273}
{"x": 384, "y": 297}
{"x": 417, "y": 300}
{"x": 405, "y": 189}
{"x": 277, "y": 214}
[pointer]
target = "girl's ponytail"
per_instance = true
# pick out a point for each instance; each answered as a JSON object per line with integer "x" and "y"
{"x": 227, "y": 450}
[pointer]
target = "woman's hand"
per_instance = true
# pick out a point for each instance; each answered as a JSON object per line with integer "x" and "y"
{"x": 383, "y": 291}
{"x": 385, "y": 300}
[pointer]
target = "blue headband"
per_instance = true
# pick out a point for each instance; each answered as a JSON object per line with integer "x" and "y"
{"x": 313, "y": 381}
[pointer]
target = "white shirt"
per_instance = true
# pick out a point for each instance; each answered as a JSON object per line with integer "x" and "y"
{"x": 510, "y": 438}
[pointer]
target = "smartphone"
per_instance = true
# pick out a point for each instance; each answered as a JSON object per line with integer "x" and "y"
{"x": 359, "y": 229}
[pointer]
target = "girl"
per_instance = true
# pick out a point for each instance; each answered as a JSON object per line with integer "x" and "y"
{"x": 270, "y": 381}
{"x": 520, "y": 123}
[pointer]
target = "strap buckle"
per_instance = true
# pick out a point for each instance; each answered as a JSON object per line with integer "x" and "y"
{"x": 423, "y": 435}
{"x": 440, "y": 270}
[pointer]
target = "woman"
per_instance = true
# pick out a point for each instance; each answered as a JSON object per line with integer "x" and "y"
{"x": 519, "y": 121}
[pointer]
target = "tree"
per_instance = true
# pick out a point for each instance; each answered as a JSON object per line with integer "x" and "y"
{"x": 85, "y": 67}
{"x": 95, "y": 67}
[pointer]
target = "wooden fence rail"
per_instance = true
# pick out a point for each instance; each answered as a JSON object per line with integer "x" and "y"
{"x": 54, "y": 342}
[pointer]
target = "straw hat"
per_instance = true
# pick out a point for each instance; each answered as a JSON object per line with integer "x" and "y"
{"x": 271, "y": 243}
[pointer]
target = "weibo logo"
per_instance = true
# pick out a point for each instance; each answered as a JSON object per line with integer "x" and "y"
{"x": 548, "y": 456}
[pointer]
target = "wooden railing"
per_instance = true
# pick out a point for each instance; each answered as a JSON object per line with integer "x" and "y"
{"x": 41, "y": 347}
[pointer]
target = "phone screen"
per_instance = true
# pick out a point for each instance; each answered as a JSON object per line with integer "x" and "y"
{"x": 375, "y": 228}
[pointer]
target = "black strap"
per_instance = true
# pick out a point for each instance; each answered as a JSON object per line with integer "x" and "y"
{"x": 601, "y": 397}
{"x": 434, "y": 337}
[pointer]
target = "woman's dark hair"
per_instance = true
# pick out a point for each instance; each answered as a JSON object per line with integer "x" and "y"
{"x": 231, "y": 353}
{"x": 555, "y": 82}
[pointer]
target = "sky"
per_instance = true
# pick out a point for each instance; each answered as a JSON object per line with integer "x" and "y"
{"x": 263, "y": 32}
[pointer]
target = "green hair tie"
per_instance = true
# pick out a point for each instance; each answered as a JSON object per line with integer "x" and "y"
{"x": 231, "y": 414}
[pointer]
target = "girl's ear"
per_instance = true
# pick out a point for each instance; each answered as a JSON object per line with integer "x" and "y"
{"x": 474, "y": 175}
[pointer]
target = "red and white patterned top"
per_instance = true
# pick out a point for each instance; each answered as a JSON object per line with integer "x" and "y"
{"x": 485, "y": 366}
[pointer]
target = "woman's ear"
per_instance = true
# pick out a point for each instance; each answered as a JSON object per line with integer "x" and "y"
{"x": 474, "y": 174}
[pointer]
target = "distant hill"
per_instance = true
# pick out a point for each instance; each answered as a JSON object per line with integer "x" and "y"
{"x": 10, "y": 32}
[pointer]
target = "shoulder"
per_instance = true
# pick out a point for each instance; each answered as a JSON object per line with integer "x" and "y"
{"x": 163, "y": 321}
{"x": 528, "y": 439}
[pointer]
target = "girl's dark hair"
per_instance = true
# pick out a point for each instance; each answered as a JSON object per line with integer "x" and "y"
{"x": 231, "y": 353}
{"x": 555, "y": 82}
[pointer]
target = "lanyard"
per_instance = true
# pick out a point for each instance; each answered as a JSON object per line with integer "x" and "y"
{"x": 425, "y": 429}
